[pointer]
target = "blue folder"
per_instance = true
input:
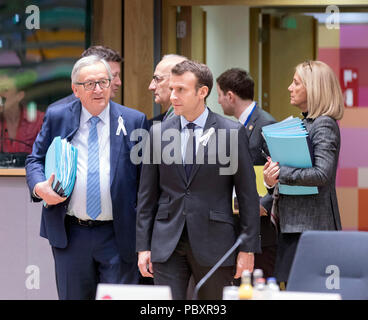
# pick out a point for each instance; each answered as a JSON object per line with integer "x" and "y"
{"x": 61, "y": 159}
{"x": 289, "y": 144}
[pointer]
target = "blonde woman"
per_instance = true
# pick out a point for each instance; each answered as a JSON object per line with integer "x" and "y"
{"x": 315, "y": 90}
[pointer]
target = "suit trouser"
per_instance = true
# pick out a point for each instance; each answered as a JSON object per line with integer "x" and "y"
{"x": 287, "y": 245}
{"x": 266, "y": 261}
{"x": 176, "y": 272}
{"x": 91, "y": 257}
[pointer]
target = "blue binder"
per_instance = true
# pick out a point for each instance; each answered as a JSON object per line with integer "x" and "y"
{"x": 289, "y": 144}
{"x": 61, "y": 159}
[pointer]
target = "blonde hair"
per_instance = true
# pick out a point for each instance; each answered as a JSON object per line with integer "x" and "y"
{"x": 324, "y": 95}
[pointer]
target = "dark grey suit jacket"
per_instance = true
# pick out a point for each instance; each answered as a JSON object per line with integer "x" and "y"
{"x": 320, "y": 211}
{"x": 167, "y": 201}
{"x": 160, "y": 117}
{"x": 259, "y": 119}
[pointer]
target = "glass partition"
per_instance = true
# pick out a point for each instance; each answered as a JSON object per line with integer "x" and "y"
{"x": 39, "y": 43}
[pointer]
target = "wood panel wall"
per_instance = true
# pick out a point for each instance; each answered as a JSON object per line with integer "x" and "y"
{"x": 138, "y": 37}
{"x": 107, "y": 27}
{"x": 135, "y": 28}
{"x": 138, "y": 54}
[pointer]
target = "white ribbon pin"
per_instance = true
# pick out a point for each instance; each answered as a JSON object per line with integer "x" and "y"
{"x": 204, "y": 139}
{"x": 121, "y": 127}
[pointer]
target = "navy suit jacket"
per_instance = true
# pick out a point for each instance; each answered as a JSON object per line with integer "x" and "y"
{"x": 259, "y": 119}
{"x": 63, "y": 120}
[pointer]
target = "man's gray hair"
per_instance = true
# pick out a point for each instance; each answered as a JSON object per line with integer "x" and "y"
{"x": 88, "y": 61}
{"x": 172, "y": 56}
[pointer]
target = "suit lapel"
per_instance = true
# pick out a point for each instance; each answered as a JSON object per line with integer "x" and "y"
{"x": 117, "y": 142}
{"x": 252, "y": 122}
{"x": 73, "y": 125}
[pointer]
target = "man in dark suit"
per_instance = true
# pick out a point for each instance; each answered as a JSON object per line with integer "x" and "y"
{"x": 185, "y": 222}
{"x": 235, "y": 89}
{"x": 159, "y": 86}
{"x": 92, "y": 233}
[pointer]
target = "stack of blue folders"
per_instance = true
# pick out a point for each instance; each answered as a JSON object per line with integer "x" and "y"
{"x": 61, "y": 159}
{"x": 289, "y": 144}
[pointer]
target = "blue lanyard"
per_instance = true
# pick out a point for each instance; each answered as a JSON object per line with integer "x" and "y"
{"x": 246, "y": 121}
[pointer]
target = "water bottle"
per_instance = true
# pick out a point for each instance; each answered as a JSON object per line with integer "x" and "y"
{"x": 272, "y": 284}
{"x": 246, "y": 289}
{"x": 230, "y": 293}
{"x": 257, "y": 274}
{"x": 259, "y": 289}
{"x": 271, "y": 287}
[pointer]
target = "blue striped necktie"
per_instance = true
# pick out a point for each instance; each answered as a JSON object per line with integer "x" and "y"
{"x": 93, "y": 172}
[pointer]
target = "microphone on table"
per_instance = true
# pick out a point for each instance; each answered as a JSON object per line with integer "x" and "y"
{"x": 238, "y": 242}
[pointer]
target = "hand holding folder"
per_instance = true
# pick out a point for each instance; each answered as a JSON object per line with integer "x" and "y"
{"x": 289, "y": 145}
{"x": 61, "y": 159}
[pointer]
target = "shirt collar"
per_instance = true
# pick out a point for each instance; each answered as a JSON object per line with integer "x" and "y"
{"x": 244, "y": 116}
{"x": 104, "y": 115}
{"x": 200, "y": 121}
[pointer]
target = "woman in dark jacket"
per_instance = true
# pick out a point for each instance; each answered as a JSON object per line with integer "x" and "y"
{"x": 315, "y": 90}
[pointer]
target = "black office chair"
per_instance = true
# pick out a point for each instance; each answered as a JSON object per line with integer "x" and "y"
{"x": 331, "y": 262}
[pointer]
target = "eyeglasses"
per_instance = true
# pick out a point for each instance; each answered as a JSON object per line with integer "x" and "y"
{"x": 91, "y": 85}
{"x": 158, "y": 79}
{"x": 308, "y": 63}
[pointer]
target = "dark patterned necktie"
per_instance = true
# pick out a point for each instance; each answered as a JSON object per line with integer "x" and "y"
{"x": 190, "y": 151}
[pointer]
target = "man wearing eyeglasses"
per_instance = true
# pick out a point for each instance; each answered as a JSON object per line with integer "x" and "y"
{"x": 113, "y": 58}
{"x": 235, "y": 88}
{"x": 160, "y": 86}
{"x": 92, "y": 233}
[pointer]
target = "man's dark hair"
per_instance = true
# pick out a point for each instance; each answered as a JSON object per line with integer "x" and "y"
{"x": 105, "y": 53}
{"x": 200, "y": 70}
{"x": 238, "y": 81}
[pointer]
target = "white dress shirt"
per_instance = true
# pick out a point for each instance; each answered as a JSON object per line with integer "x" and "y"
{"x": 78, "y": 201}
{"x": 198, "y": 131}
{"x": 245, "y": 114}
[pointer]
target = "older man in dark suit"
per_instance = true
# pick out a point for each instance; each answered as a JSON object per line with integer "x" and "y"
{"x": 235, "y": 89}
{"x": 159, "y": 86}
{"x": 92, "y": 233}
{"x": 185, "y": 222}
{"x": 113, "y": 58}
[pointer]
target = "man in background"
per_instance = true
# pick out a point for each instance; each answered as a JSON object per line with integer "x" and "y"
{"x": 160, "y": 86}
{"x": 235, "y": 89}
{"x": 161, "y": 92}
